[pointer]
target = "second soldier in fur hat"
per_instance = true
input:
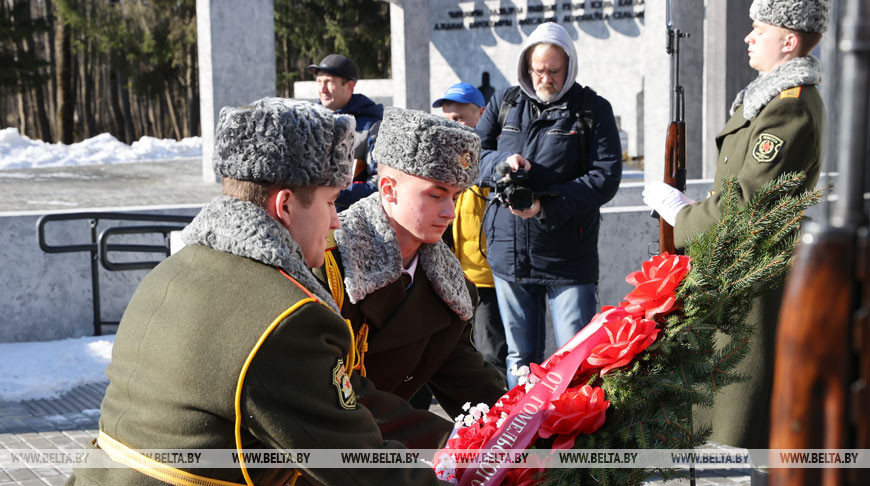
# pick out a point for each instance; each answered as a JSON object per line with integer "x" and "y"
{"x": 394, "y": 278}
{"x": 231, "y": 342}
{"x": 776, "y": 126}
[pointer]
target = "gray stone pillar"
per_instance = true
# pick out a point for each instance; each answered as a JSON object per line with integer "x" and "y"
{"x": 409, "y": 49}
{"x": 688, "y": 16}
{"x": 236, "y": 46}
{"x": 726, "y": 70}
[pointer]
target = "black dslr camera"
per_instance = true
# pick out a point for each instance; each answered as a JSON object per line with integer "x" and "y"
{"x": 512, "y": 189}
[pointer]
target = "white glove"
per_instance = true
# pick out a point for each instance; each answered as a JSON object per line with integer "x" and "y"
{"x": 666, "y": 200}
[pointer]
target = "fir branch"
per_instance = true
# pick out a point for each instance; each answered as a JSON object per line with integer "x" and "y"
{"x": 784, "y": 183}
{"x": 751, "y": 277}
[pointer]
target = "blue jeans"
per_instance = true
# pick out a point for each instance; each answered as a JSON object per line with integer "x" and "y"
{"x": 523, "y": 308}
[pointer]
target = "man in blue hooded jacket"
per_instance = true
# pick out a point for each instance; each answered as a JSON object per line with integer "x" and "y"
{"x": 566, "y": 137}
{"x": 336, "y": 77}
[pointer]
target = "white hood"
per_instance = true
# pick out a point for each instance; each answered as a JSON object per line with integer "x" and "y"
{"x": 550, "y": 33}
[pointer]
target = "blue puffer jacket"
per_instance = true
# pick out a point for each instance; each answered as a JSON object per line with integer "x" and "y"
{"x": 560, "y": 245}
{"x": 367, "y": 114}
{"x": 364, "y": 110}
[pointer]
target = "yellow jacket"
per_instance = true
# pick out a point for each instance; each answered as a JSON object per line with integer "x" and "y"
{"x": 468, "y": 239}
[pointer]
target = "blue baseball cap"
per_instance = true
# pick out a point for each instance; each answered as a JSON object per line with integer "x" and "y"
{"x": 461, "y": 93}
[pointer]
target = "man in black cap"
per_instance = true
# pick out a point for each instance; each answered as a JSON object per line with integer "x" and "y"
{"x": 336, "y": 77}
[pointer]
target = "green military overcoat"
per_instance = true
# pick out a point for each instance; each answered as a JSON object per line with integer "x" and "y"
{"x": 784, "y": 136}
{"x": 190, "y": 334}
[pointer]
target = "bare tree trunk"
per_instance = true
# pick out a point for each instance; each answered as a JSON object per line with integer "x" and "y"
{"x": 40, "y": 116}
{"x": 119, "y": 128}
{"x": 140, "y": 116}
{"x": 172, "y": 115}
{"x": 153, "y": 120}
{"x": 125, "y": 108}
{"x": 193, "y": 91}
{"x": 185, "y": 110}
{"x": 52, "y": 66}
{"x": 287, "y": 89}
{"x": 23, "y": 82}
{"x": 65, "y": 95}
{"x": 31, "y": 113}
{"x": 99, "y": 101}
{"x": 87, "y": 84}
{"x": 22, "y": 115}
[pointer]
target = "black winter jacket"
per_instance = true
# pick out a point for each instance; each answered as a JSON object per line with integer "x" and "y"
{"x": 559, "y": 246}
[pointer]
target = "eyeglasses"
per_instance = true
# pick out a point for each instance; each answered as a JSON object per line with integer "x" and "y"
{"x": 540, "y": 73}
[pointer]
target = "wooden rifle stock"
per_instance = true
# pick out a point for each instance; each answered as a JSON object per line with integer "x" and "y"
{"x": 811, "y": 375}
{"x": 821, "y": 387}
{"x": 675, "y": 176}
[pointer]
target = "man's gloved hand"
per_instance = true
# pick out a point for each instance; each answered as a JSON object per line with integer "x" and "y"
{"x": 666, "y": 200}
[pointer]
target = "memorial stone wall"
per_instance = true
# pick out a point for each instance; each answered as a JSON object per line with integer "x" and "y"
{"x": 471, "y": 38}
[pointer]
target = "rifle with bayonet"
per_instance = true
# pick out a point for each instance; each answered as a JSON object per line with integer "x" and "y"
{"x": 821, "y": 388}
{"x": 675, "y": 143}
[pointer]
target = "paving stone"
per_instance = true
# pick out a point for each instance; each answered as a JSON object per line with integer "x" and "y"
{"x": 62, "y": 442}
{"x": 39, "y": 443}
{"x": 32, "y": 482}
{"x": 11, "y": 441}
{"x": 21, "y": 474}
{"x": 59, "y": 480}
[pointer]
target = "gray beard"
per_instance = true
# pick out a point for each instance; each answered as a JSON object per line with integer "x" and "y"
{"x": 545, "y": 95}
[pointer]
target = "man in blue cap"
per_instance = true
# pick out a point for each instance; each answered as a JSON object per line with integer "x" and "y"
{"x": 336, "y": 77}
{"x": 464, "y": 103}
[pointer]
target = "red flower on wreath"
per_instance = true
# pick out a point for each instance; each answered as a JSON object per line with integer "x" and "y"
{"x": 506, "y": 403}
{"x": 473, "y": 437}
{"x": 577, "y": 410}
{"x": 656, "y": 284}
{"x": 627, "y": 338}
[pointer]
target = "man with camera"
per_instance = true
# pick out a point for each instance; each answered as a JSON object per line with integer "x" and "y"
{"x": 552, "y": 149}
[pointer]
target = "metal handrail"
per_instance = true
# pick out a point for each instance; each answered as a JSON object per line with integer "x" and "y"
{"x": 99, "y": 248}
{"x": 105, "y": 248}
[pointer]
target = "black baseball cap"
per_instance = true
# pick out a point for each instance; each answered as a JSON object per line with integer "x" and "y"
{"x": 337, "y": 65}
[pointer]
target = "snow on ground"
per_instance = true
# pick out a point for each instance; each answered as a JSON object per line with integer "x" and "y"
{"x": 21, "y": 152}
{"x": 49, "y": 369}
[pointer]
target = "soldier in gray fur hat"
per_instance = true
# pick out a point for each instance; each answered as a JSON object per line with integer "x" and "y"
{"x": 232, "y": 342}
{"x": 394, "y": 278}
{"x": 776, "y": 126}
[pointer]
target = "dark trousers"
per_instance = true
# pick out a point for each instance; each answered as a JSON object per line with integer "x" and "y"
{"x": 489, "y": 329}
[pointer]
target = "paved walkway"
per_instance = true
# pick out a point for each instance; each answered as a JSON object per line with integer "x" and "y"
{"x": 69, "y": 422}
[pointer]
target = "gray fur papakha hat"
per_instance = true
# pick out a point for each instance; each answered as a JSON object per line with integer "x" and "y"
{"x": 429, "y": 146}
{"x": 805, "y": 15}
{"x": 284, "y": 141}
